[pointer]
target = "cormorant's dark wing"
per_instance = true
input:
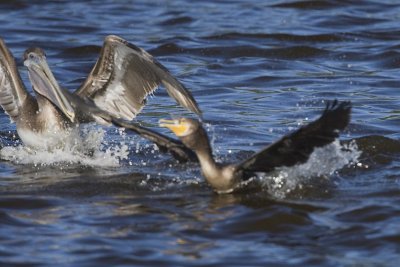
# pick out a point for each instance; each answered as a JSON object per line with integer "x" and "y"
{"x": 296, "y": 147}
{"x": 124, "y": 75}
{"x": 13, "y": 94}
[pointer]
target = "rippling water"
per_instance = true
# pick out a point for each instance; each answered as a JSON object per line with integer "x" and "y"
{"x": 258, "y": 70}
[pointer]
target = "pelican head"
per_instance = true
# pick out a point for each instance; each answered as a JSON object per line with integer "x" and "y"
{"x": 44, "y": 83}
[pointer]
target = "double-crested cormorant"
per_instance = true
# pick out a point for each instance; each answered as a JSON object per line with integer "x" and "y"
{"x": 114, "y": 92}
{"x": 291, "y": 149}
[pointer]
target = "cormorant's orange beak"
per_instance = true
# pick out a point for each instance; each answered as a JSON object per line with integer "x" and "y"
{"x": 177, "y": 126}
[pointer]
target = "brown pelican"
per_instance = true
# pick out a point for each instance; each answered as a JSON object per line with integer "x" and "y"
{"x": 291, "y": 149}
{"x": 114, "y": 92}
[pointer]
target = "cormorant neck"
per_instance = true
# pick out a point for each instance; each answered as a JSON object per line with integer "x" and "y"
{"x": 221, "y": 177}
{"x": 208, "y": 165}
{"x": 200, "y": 144}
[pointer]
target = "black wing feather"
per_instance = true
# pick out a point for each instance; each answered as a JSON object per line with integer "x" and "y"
{"x": 296, "y": 147}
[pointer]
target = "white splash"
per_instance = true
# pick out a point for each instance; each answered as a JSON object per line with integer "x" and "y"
{"x": 86, "y": 147}
{"x": 323, "y": 163}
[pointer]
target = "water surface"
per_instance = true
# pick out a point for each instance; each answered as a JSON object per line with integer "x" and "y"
{"x": 258, "y": 70}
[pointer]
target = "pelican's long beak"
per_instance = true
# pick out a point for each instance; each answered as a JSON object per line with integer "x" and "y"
{"x": 45, "y": 84}
{"x": 178, "y": 127}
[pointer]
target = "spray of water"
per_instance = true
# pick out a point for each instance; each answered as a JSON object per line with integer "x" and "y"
{"x": 323, "y": 163}
{"x": 89, "y": 147}
{"x": 85, "y": 147}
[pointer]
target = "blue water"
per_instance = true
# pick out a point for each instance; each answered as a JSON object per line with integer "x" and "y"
{"x": 258, "y": 70}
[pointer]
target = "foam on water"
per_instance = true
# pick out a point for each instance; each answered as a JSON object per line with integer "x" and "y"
{"x": 87, "y": 147}
{"x": 323, "y": 163}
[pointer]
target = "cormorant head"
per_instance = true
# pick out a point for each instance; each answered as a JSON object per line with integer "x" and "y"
{"x": 181, "y": 127}
{"x": 190, "y": 131}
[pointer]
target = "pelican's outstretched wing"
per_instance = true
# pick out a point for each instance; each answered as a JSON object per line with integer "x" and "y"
{"x": 13, "y": 94}
{"x": 124, "y": 75}
{"x": 297, "y": 147}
